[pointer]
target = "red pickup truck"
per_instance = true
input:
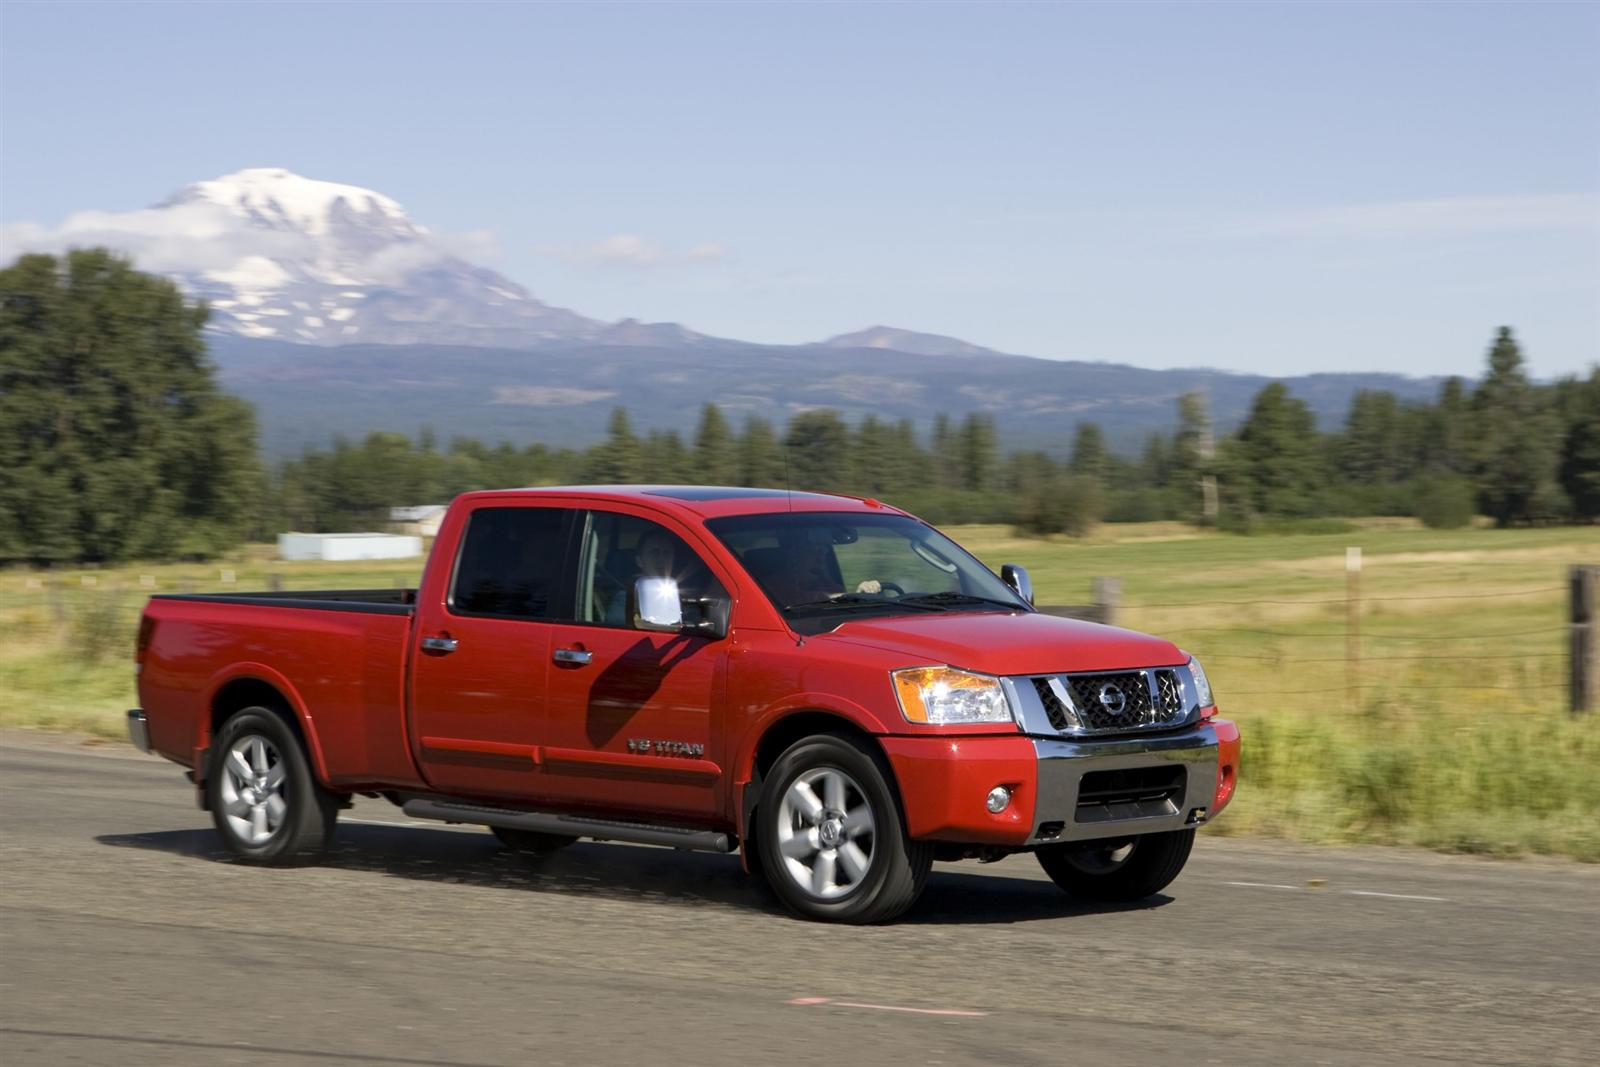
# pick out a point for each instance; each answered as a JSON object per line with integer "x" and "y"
{"x": 825, "y": 684}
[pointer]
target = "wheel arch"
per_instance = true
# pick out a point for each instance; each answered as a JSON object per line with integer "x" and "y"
{"x": 775, "y": 737}
{"x": 252, "y": 685}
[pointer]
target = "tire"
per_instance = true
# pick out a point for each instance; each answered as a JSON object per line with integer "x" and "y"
{"x": 531, "y": 842}
{"x": 265, "y": 801}
{"x": 1097, "y": 870}
{"x": 832, "y": 841}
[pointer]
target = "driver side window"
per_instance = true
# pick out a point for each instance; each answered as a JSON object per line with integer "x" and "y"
{"x": 619, "y": 549}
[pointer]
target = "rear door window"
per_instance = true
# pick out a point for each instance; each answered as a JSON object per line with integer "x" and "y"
{"x": 514, "y": 563}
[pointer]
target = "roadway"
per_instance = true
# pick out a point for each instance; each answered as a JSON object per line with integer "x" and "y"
{"x": 128, "y": 937}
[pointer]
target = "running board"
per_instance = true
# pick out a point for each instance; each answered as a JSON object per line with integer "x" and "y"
{"x": 571, "y": 825}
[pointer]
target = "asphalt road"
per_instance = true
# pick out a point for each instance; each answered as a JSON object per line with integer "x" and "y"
{"x": 127, "y": 937}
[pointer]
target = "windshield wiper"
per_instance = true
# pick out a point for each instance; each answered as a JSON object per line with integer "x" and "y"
{"x": 861, "y": 600}
{"x": 953, "y": 598}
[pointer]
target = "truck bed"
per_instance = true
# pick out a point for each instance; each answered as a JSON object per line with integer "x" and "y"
{"x": 373, "y": 601}
{"x": 338, "y": 656}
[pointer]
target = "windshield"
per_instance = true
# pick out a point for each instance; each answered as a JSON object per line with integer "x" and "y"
{"x": 823, "y": 568}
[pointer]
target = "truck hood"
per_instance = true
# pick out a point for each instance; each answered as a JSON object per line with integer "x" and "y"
{"x": 1007, "y": 643}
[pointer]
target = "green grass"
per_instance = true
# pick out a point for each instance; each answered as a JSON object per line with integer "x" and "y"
{"x": 1452, "y": 734}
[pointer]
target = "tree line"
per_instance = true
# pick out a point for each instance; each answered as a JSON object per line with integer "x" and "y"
{"x": 1506, "y": 448}
{"x": 116, "y": 443}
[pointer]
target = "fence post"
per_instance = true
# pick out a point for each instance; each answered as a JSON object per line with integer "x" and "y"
{"x": 1584, "y": 681}
{"x": 1352, "y": 626}
{"x": 275, "y": 582}
{"x": 1108, "y": 598}
{"x": 58, "y": 600}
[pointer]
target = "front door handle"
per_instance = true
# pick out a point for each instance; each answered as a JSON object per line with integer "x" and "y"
{"x": 439, "y": 644}
{"x": 576, "y": 656}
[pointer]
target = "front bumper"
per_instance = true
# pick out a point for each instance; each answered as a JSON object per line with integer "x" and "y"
{"x": 139, "y": 730}
{"x": 1064, "y": 790}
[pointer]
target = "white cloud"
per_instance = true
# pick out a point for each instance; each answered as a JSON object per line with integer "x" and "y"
{"x": 631, "y": 250}
{"x": 200, "y": 238}
{"x": 1455, "y": 214}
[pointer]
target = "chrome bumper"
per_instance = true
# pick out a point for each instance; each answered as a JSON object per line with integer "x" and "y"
{"x": 1058, "y": 815}
{"x": 138, "y": 730}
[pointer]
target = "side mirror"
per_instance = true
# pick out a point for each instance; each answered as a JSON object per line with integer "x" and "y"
{"x": 657, "y": 605}
{"x": 1017, "y": 578}
{"x": 714, "y": 612}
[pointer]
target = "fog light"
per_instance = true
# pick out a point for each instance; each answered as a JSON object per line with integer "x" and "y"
{"x": 999, "y": 797}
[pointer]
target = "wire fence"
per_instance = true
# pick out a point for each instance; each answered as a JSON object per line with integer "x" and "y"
{"x": 1476, "y": 642}
{"x": 1515, "y": 640}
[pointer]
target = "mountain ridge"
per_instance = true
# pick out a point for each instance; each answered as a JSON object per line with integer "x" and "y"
{"x": 561, "y": 394}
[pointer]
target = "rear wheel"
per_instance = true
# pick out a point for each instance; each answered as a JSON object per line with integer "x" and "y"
{"x": 1122, "y": 869}
{"x": 265, "y": 802}
{"x": 531, "y": 842}
{"x": 832, "y": 843}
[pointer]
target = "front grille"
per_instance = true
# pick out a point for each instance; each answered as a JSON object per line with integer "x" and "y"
{"x": 1112, "y": 702}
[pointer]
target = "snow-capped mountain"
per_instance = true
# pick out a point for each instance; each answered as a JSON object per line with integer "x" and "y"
{"x": 294, "y": 259}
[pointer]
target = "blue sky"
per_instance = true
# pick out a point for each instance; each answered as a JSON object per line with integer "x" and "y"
{"x": 1272, "y": 188}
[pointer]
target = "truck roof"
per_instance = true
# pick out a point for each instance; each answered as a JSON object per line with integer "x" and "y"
{"x": 702, "y": 501}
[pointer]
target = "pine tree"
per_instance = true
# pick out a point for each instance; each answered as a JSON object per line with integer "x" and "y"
{"x": 115, "y": 442}
{"x": 1370, "y": 453}
{"x": 1277, "y": 457}
{"x": 1516, "y": 451}
{"x": 818, "y": 447}
{"x": 1090, "y": 457}
{"x": 716, "y": 458}
{"x": 620, "y": 460}
{"x": 666, "y": 460}
{"x": 946, "y": 453}
{"x": 761, "y": 463}
{"x": 1580, "y": 452}
{"x": 976, "y": 452}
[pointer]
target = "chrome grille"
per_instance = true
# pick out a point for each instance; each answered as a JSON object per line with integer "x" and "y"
{"x": 1112, "y": 702}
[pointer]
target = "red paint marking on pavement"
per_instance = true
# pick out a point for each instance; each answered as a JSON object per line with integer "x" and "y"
{"x": 812, "y": 1001}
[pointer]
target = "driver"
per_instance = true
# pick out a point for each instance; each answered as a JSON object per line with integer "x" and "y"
{"x": 656, "y": 555}
{"x": 812, "y": 576}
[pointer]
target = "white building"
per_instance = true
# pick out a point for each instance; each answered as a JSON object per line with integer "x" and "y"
{"x": 348, "y": 546}
{"x": 423, "y": 520}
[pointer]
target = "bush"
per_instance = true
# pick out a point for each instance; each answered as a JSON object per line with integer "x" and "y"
{"x": 97, "y": 629}
{"x": 1445, "y": 503}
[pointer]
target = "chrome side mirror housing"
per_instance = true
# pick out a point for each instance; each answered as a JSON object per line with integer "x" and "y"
{"x": 1017, "y": 578}
{"x": 657, "y": 605}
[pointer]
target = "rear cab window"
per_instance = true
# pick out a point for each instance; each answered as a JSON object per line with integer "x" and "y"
{"x": 513, "y": 563}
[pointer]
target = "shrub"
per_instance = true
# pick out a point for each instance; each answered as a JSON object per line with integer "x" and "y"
{"x": 1445, "y": 503}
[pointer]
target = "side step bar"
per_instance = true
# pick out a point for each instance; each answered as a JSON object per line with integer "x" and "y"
{"x": 571, "y": 825}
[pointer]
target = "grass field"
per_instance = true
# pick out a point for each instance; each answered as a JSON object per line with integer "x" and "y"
{"x": 1452, "y": 734}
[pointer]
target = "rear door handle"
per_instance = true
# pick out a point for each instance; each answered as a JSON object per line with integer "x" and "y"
{"x": 576, "y": 656}
{"x": 439, "y": 644}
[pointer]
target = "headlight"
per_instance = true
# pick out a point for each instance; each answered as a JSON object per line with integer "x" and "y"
{"x": 938, "y": 695}
{"x": 1202, "y": 685}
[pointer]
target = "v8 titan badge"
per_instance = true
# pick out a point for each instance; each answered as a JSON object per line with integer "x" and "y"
{"x": 644, "y": 746}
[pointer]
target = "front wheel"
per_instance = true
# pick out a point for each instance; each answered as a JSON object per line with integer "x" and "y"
{"x": 1118, "y": 869}
{"x": 266, "y": 804}
{"x": 832, "y": 843}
